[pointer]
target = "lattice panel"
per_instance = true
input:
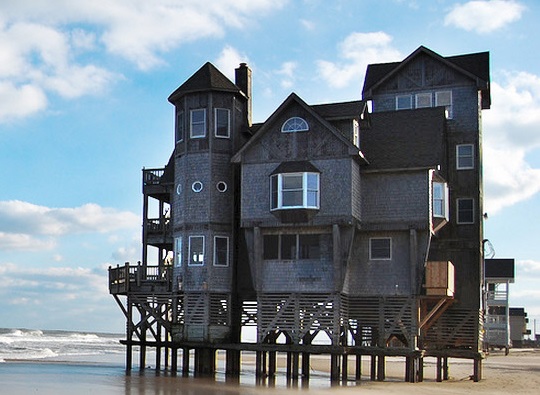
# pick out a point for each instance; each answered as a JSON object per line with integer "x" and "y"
{"x": 374, "y": 320}
{"x": 195, "y": 308}
{"x": 455, "y": 329}
{"x": 219, "y": 309}
{"x": 297, "y": 314}
{"x": 249, "y": 313}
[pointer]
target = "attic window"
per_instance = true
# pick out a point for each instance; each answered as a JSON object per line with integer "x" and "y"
{"x": 295, "y": 124}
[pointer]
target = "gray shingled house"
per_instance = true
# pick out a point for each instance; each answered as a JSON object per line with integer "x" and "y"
{"x": 328, "y": 228}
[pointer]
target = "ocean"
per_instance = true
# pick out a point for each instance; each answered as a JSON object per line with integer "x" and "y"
{"x": 35, "y": 345}
{"x": 63, "y": 362}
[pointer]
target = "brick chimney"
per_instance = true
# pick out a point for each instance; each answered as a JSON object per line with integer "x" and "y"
{"x": 243, "y": 81}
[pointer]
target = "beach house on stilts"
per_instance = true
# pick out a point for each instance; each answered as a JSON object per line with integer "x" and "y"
{"x": 345, "y": 229}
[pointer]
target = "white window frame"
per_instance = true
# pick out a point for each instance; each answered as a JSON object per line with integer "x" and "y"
{"x": 178, "y": 251}
{"x": 440, "y": 200}
{"x": 216, "y": 263}
{"x": 356, "y": 133}
{"x": 180, "y": 127}
{"x": 199, "y": 261}
{"x": 403, "y": 97}
{"x": 448, "y": 106}
{"x": 197, "y": 129}
{"x": 216, "y": 117}
{"x": 459, "y": 211}
{"x": 423, "y": 96}
{"x": 276, "y": 196}
{"x": 460, "y": 157}
{"x": 294, "y": 125}
{"x": 385, "y": 258}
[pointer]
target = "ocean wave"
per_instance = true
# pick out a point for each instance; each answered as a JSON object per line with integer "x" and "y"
{"x": 28, "y": 344}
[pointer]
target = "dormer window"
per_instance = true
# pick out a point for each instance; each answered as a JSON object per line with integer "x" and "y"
{"x": 294, "y": 191}
{"x": 295, "y": 124}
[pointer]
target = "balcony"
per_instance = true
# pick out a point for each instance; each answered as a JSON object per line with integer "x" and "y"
{"x": 158, "y": 232}
{"x": 158, "y": 183}
{"x": 140, "y": 279}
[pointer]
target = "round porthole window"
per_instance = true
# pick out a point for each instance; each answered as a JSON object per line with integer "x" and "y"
{"x": 197, "y": 186}
{"x": 179, "y": 189}
{"x": 221, "y": 186}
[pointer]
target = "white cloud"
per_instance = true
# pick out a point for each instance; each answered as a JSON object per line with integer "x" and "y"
{"x": 510, "y": 132}
{"x": 26, "y": 226}
{"x": 53, "y": 297}
{"x": 21, "y": 241}
{"x": 357, "y": 51}
{"x": 484, "y": 16}
{"x": 229, "y": 59}
{"x": 56, "y": 46}
{"x": 288, "y": 72}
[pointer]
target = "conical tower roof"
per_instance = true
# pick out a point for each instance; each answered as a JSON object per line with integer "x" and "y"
{"x": 207, "y": 78}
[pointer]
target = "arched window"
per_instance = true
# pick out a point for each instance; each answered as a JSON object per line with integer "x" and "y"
{"x": 295, "y": 124}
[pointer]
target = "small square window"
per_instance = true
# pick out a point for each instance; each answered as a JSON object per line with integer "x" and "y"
{"x": 444, "y": 98}
{"x": 380, "y": 248}
{"x": 465, "y": 211}
{"x": 404, "y": 102}
{"x": 198, "y": 123}
{"x": 221, "y": 251}
{"x": 423, "y": 100}
{"x": 465, "y": 156}
{"x": 196, "y": 250}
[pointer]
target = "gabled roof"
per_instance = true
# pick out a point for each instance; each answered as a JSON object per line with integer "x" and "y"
{"x": 475, "y": 66}
{"x": 207, "y": 78}
{"x": 293, "y": 97}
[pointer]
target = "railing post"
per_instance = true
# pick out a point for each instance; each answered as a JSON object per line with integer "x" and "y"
{"x": 125, "y": 271}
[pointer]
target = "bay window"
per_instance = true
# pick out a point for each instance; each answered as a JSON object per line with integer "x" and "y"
{"x": 294, "y": 190}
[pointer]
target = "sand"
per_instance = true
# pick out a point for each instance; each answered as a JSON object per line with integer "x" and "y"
{"x": 517, "y": 373}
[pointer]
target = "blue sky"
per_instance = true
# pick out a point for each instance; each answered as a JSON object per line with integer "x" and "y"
{"x": 83, "y": 93}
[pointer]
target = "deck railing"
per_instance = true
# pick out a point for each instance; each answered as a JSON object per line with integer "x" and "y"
{"x": 158, "y": 225}
{"x": 152, "y": 176}
{"x": 129, "y": 277}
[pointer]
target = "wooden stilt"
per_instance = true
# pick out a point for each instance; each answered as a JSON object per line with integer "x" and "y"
{"x": 334, "y": 368}
{"x": 258, "y": 365}
{"x": 305, "y": 365}
{"x": 445, "y": 369}
{"x": 358, "y": 374}
{"x": 344, "y": 367}
{"x": 185, "y": 362}
{"x": 381, "y": 368}
{"x": 477, "y": 373}
{"x": 420, "y": 369}
{"x": 174, "y": 360}
{"x": 373, "y": 372}
{"x": 272, "y": 364}
{"x": 439, "y": 369}
{"x": 295, "y": 365}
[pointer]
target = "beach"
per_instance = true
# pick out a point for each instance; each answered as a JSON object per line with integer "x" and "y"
{"x": 516, "y": 373}
{"x": 63, "y": 362}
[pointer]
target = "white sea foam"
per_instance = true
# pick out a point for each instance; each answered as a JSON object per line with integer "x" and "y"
{"x": 24, "y": 344}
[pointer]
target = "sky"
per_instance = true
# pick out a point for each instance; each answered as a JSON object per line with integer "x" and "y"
{"x": 83, "y": 108}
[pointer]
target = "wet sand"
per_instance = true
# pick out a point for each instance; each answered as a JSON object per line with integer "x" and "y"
{"x": 517, "y": 373}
